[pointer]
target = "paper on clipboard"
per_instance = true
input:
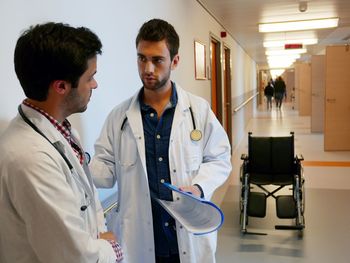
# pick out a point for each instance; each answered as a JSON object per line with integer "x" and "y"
{"x": 197, "y": 215}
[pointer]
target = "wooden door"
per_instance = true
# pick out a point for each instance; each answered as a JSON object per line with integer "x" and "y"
{"x": 317, "y": 92}
{"x": 337, "y": 99}
{"x": 227, "y": 94}
{"x": 216, "y": 87}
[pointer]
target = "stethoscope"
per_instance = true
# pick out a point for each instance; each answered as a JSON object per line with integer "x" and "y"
{"x": 58, "y": 149}
{"x": 195, "y": 134}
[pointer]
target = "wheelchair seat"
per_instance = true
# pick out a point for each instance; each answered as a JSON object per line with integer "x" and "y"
{"x": 271, "y": 161}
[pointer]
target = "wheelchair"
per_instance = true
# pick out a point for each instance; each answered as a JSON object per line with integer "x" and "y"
{"x": 271, "y": 161}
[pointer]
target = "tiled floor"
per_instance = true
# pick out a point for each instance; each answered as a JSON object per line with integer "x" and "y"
{"x": 326, "y": 237}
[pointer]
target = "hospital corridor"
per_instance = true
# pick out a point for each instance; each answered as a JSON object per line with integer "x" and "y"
{"x": 327, "y": 195}
{"x": 171, "y": 95}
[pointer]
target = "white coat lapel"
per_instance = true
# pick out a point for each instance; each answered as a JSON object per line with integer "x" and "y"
{"x": 133, "y": 115}
{"x": 59, "y": 141}
{"x": 182, "y": 108}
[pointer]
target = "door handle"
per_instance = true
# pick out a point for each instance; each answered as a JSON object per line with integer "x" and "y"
{"x": 331, "y": 100}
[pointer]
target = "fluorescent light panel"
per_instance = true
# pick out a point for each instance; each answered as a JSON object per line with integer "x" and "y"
{"x": 278, "y": 57}
{"x": 276, "y": 72}
{"x": 280, "y": 64}
{"x": 285, "y": 52}
{"x": 281, "y": 43}
{"x": 299, "y": 25}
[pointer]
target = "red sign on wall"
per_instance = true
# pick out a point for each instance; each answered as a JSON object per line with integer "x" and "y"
{"x": 293, "y": 46}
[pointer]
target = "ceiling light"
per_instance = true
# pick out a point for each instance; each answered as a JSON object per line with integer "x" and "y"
{"x": 281, "y": 43}
{"x": 276, "y": 72}
{"x": 285, "y": 52}
{"x": 284, "y": 58}
{"x": 299, "y": 25}
{"x": 280, "y": 64}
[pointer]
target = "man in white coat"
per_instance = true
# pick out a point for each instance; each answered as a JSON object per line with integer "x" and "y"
{"x": 161, "y": 134}
{"x": 49, "y": 208}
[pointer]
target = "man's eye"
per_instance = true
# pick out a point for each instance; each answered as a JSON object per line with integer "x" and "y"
{"x": 142, "y": 59}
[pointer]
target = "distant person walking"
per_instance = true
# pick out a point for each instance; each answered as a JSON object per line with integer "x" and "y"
{"x": 280, "y": 91}
{"x": 268, "y": 92}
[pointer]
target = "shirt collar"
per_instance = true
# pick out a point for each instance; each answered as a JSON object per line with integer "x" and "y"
{"x": 65, "y": 128}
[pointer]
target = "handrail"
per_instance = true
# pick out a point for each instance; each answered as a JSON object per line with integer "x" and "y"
{"x": 244, "y": 103}
{"x": 109, "y": 208}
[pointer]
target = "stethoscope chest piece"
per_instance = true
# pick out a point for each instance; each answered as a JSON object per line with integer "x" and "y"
{"x": 196, "y": 135}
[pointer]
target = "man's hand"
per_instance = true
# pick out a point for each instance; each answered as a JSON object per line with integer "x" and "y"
{"x": 108, "y": 236}
{"x": 192, "y": 189}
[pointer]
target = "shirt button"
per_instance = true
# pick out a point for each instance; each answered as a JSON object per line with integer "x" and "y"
{"x": 166, "y": 224}
{"x": 162, "y": 181}
{"x": 160, "y": 159}
{"x": 152, "y": 115}
{"x": 158, "y": 136}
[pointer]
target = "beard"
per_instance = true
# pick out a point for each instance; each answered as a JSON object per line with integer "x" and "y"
{"x": 158, "y": 84}
{"x": 75, "y": 103}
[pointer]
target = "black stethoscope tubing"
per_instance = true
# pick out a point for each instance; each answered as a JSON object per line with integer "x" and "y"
{"x": 35, "y": 128}
{"x": 25, "y": 118}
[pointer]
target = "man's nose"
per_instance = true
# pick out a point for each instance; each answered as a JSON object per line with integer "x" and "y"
{"x": 94, "y": 85}
{"x": 149, "y": 67}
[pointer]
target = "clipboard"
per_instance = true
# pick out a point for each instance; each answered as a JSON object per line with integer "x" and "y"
{"x": 195, "y": 214}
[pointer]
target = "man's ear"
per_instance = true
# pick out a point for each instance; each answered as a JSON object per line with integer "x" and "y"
{"x": 60, "y": 86}
{"x": 175, "y": 61}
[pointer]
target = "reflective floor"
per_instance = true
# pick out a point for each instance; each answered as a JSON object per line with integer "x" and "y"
{"x": 326, "y": 237}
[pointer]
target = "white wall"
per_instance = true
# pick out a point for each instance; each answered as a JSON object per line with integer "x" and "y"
{"x": 116, "y": 23}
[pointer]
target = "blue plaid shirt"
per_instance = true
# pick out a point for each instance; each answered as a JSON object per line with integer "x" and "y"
{"x": 157, "y": 135}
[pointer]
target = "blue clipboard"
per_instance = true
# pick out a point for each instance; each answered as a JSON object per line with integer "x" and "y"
{"x": 195, "y": 214}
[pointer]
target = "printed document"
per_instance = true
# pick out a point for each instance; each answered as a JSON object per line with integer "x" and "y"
{"x": 197, "y": 215}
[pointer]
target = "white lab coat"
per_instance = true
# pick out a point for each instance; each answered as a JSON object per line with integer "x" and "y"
{"x": 40, "y": 200}
{"x": 120, "y": 157}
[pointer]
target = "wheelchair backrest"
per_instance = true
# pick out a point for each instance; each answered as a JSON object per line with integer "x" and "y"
{"x": 271, "y": 158}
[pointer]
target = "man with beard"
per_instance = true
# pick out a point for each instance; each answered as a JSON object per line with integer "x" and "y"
{"x": 161, "y": 134}
{"x": 49, "y": 207}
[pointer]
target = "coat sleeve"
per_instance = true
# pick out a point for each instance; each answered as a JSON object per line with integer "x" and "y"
{"x": 51, "y": 213}
{"x": 102, "y": 165}
{"x": 216, "y": 160}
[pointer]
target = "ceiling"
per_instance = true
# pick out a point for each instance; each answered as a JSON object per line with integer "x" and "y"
{"x": 240, "y": 18}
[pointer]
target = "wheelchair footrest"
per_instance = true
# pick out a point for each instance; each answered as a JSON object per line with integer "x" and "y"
{"x": 256, "y": 204}
{"x": 285, "y": 206}
{"x": 282, "y": 227}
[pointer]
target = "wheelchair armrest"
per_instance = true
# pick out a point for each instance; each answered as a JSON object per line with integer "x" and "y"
{"x": 244, "y": 156}
{"x": 299, "y": 157}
